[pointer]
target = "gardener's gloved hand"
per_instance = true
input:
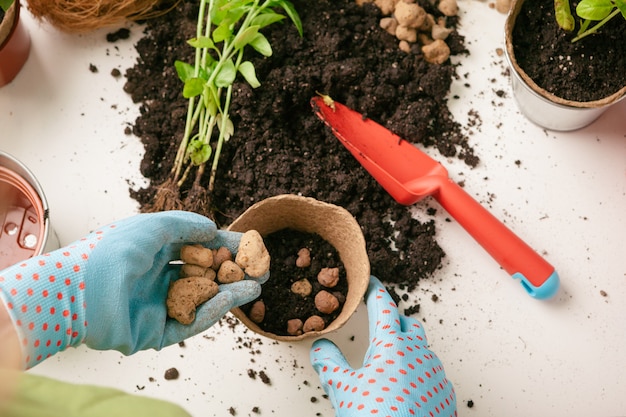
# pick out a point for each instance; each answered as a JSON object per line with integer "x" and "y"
{"x": 109, "y": 288}
{"x": 400, "y": 375}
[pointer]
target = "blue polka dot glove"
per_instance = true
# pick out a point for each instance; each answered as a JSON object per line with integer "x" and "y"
{"x": 400, "y": 375}
{"x": 108, "y": 289}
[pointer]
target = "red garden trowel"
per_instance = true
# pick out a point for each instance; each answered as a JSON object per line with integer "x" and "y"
{"x": 410, "y": 175}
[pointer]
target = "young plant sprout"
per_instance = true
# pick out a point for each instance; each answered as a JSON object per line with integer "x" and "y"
{"x": 224, "y": 29}
{"x": 600, "y": 11}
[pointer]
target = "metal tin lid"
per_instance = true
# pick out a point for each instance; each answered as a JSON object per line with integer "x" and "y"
{"x": 23, "y": 218}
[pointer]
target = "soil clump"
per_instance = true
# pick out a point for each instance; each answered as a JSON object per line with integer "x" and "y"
{"x": 279, "y": 146}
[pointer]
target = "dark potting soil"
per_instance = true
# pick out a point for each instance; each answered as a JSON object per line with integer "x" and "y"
{"x": 280, "y": 146}
{"x": 589, "y": 69}
{"x": 282, "y": 304}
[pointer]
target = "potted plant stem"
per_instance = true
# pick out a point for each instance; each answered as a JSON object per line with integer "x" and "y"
{"x": 14, "y": 41}
{"x": 564, "y": 68}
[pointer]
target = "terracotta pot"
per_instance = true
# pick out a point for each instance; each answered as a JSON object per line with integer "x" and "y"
{"x": 334, "y": 224}
{"x": 542, "y": 107}
{"x": 24, "y": 214}
{"x": 14, "y": 44}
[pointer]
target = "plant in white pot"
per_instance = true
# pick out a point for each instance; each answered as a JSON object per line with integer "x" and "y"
{"x": 14, "y": 41}
{"x": 566, "y": 70}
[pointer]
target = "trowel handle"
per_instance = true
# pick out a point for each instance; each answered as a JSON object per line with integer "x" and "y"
{"x": 536, "y": 275}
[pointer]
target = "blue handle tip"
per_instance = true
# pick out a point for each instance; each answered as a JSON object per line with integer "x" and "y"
{"x": 543, "y": 292}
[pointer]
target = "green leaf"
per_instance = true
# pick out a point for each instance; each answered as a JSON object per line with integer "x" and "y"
{"x": 247, "y": 70}
{"x": 594, "y": 9}
{"x": 201, "y": 42}
{"x": 261, "y": 45}
{"x": 5, "y": 4}
{"x": 292, "y": 13}
{"x": 209, "y": 102}
{"x": 199, "y": 152}
{"x": 184, "y": 70}
{"x": 563, "y": 15}
{"x": 226, "y": 75}
{"x": 222, "y": 32}
{"x": 225, "y": 125}
{"x": 621, "y": 5}
{"x": 193, "y": 87}
{"x": 266, "y": 19}
{"x": 245, "y": 37}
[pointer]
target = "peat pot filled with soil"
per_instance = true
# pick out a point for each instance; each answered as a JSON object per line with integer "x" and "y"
{"x": 560, "y": 82}
{"x": 305, "y": 223}
{"x": 14, "y": 43}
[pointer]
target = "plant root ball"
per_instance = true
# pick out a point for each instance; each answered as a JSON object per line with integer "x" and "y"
{"x": 76, "y": 16}
{"x": 185, "y": 294}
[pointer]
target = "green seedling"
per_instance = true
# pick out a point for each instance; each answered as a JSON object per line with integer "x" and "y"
{"x": 589, "y": 11}
{"x": 225, "y": 29}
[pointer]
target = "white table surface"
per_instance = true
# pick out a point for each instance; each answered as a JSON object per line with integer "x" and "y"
{"x": 564, "y": 193}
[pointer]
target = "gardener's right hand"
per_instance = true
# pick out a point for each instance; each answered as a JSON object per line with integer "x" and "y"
{"x": 400, "y": 375}
{"x": 108, "y": 289}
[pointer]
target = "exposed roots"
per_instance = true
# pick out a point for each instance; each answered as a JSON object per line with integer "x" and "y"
{"x": 167, "y": 198}
{"x": 198, "y": 200}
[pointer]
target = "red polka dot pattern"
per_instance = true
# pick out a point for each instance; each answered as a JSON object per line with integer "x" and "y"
{"x": 45, "y": 298}
{"x": 400, "y": 376}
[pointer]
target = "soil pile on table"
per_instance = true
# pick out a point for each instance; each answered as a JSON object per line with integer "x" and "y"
{"x": 280, "y": 146}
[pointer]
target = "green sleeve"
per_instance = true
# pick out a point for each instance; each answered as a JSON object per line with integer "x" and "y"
{"x": 37, "y": 396}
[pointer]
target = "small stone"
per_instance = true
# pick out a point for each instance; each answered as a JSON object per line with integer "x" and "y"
{"x": 304, "y": 258}
{"x": 257, "y": 312}
{"x": 302, "y": 287}
{"x": 313, "y": 324}
{"x": 325, "y": 302}
{"x": 229, "y": 272}
{"x": 328, "y": 277}
{"x": 220, "y": 255}
{"x": 294, "y": 327}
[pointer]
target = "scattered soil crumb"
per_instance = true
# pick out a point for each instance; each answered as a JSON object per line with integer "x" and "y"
{"x": 117, "y": 35}
{"x": 232, "y": 411}
{"x": 171, "y": 374}
{"x": 266, "y": 379}
{"x": 603, "y": 293}
{"x": 470, "y": 404}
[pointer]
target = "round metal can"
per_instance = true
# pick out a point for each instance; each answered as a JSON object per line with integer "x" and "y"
{"x": 25, "y": 229}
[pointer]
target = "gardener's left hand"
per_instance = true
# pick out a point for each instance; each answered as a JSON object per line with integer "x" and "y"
{"x": 108, "y": 289}
{"x": 400, "y": 375}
